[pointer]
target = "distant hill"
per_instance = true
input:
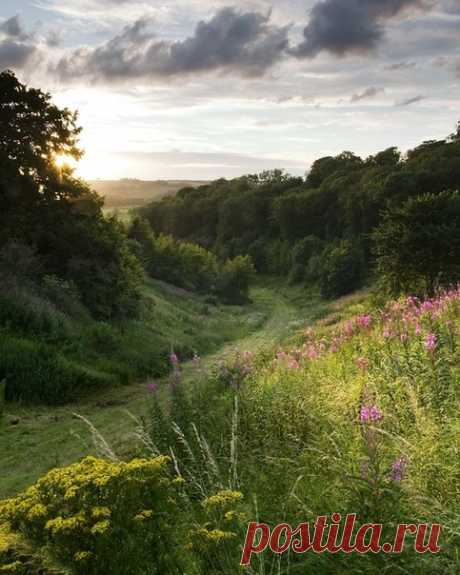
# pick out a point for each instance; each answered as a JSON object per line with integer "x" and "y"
{"x": 130, "y": 193}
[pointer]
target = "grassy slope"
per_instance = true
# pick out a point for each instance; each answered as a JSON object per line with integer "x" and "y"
{"x": 48, "y": 437}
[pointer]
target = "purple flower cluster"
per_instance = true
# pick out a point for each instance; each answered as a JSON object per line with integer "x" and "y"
{"x": 370, "y": 414}
{"x": 412, "y": 318}
{"x": 398, "y": 469}
{"x": 234, "y": 372}
{"x": 152, "y": 387}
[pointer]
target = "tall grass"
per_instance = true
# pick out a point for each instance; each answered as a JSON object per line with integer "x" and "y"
{"x": 359, "y": 415}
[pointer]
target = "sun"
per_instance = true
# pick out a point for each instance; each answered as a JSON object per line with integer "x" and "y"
{"x": 65, "y": 161}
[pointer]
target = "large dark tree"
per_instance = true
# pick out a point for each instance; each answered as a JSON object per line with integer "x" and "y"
{"x": 33, "y": 131}
{"x": 45, "y": 207}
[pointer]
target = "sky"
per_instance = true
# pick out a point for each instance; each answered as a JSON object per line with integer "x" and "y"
{"x": 202, "y": 89}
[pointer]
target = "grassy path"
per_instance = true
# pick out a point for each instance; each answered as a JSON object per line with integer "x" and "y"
{"x": 46, "y": 437}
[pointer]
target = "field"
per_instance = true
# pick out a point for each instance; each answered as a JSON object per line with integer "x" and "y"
{"x": 122, "y": 195}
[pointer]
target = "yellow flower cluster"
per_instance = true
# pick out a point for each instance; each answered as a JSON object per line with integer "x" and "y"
{"x": 144, "y": 515}
{"x": 15, "y": 567}
{"x": 222, "y": 500}
{"x": 73, "y": 509}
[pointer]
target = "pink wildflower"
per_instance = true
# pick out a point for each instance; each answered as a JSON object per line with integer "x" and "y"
{"x": 370, "y": 413}
{"x": 431, "y": 342}
{"x": 398, "y": 469}
{"x": 294, "y": 364}
{"x": 364, "y": 321}
{"x": 362, "y": 363}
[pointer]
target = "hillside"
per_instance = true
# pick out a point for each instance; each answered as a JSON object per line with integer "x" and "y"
{"x": 182, "y": 322}
{"x": 129, "y": 193}
{"x": 352, "y": 413}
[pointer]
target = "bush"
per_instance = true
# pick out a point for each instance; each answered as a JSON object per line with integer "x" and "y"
{"x": 235, "y": 278}
{"x": 28, "y": 314}
{"x": 35, "y": 372}
{"x": 103, "y": 517}
{"x": 418, "y": 243}
{"x": 182, "y": 264}
{"x": 302, "y": 253}
{"x": 340, "y": 270}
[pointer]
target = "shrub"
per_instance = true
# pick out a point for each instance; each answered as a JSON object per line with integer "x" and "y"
{"x": 340, "y": 269}
{"x": 302, "y": 253}
{"x": 183, "y": 264}
{"x": 99, "y": 517}
{"x": 36, "y": 372}
{"x": 29, "y": 314}
{"x": 417, "y": 244}
{"x": 235, "y": 278}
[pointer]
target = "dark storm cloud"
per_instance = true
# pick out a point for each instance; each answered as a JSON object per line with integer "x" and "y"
{"x": 245, "y": 43}
{"x": 16, "y": 46}
{"x": 368, "y": 93}
{"x": 343, "y": 26}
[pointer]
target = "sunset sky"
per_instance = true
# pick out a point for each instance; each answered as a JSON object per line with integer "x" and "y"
{"x": 202, "y": 89}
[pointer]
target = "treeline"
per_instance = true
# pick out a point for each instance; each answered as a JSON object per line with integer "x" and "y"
{"x": 322, "y": 228}
{"x": 190, "y": 266}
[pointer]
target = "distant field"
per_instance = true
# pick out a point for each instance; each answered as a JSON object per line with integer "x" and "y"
{"x": 125, "y": 194}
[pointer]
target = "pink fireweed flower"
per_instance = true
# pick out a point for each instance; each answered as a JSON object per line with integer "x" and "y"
{"x": 152, "y": 387}
{"x": 349, "y": 328}
{"x": 293, "y": 364}
{"x": 174, "y": 359}
{"x": 398, "y": 469}
{"x": 312, "y": 353}
{"x": 375, "y": 413}
{"x": 281, "y": 356}
{"x": 362, "y": 363}
{"x": 370, "y": 413}
{"x": 387, "y": 333}
{"x": 364, "y": 321}
{"x": 431, "y": 342}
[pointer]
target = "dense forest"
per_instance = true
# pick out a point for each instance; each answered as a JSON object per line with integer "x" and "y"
{"x": 330, "y": 227}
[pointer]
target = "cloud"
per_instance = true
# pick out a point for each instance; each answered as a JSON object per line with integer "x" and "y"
{"x": 13, "y": 28}
{"x": 14, "y": 54}
{"x": 368, "y": 93}
{"x": 411, "y": 101}
{"x": 401, "y": 66}
{"x": 243, "y": 42}
{"x": 344, "y": 26}
{"x": 16, "y": 46}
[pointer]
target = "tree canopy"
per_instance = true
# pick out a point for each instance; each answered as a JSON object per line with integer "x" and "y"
{"x": 43, "y": 206}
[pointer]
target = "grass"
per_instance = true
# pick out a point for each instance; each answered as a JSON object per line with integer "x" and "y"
{"x": 311, "y": 409}
{"x": 48, "y": 437}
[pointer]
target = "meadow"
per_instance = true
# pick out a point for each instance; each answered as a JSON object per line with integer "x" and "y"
{"x": 350, "y": 408}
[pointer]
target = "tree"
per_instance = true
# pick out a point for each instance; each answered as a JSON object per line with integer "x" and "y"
{"x": 235, "y": 278}
{"x": 417, "y": 244}
{"x": 33, "y": 131}
{"x": 340, "y": 269}
{"x": 46, "y": 208}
